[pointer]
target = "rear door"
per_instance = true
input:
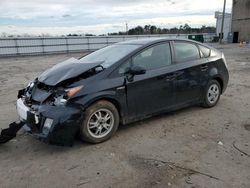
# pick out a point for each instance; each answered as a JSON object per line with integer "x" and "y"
{"x": 189, "y": 70}
{"x": 152, "y": 91}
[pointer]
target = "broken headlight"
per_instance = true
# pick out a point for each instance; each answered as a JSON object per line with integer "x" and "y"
{"x": 27, "y": 90}
{"x": 61, "y": 99}
{"x": 73, "y": 91}
{"x": 30, "y": 84}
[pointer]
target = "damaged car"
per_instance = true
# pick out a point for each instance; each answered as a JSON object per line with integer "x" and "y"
{"x": 119, "y": 84}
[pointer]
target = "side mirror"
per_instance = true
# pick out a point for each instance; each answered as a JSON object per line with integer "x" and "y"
{"x": 136, "y": 70}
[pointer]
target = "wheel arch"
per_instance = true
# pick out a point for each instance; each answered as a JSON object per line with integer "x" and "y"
{"x": 112, "y": 101}
{"x": 219, "y": 79}
{"x": 215, "y": 75}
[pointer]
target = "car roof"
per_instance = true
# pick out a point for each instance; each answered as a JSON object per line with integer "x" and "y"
{"x": 148, "y": 41}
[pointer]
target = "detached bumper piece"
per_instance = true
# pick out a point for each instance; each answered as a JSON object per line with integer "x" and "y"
{"x": 10, "y": 133}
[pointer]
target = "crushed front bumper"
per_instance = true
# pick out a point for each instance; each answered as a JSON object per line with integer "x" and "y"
{"x": 52, "y": 124}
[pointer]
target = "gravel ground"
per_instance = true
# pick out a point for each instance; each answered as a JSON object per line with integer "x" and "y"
{"x": 192, "y": 148}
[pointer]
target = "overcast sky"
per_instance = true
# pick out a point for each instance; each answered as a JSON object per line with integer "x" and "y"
{"x": 58, "y": 17}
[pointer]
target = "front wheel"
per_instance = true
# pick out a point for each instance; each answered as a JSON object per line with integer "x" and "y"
{"x": 211, "y": 94}
{"x": 100, "y": 123}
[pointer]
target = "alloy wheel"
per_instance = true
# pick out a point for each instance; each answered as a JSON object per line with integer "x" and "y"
{"x": 100, "y": 123}
{"x": 213, "y": 93}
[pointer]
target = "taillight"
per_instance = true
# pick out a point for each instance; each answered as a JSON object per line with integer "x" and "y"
{"x": 224, "y": 59}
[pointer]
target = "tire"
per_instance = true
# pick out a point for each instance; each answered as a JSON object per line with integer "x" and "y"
{"x": 97, "y": 126}
{"x": 210, "y": 100}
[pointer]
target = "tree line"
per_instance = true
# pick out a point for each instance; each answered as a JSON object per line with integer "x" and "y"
{"x": 152, "y": 29}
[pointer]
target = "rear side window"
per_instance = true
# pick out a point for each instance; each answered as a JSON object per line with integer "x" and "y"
{"x": 153, "y": 58}
{"x": 186, "y": 52}
{"x": 205, "y": 52}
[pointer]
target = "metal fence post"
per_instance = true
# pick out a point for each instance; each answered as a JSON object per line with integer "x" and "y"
{"x": 16, "y": 46}
{"x": 67, "y": 44}
{"x": 42, "y": 41}
{"x": 88, "y": 43}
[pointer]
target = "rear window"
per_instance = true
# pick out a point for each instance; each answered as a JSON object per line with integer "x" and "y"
{"x": 205, "y": 52}
{"x": 186, "y": 52}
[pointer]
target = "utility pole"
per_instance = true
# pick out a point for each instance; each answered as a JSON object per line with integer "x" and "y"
{"x": 222, "y": 22}
{"x": 126, "y": 28}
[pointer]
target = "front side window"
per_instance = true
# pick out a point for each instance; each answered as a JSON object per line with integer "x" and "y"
{"x": 125, "y": 66}
{"x": 153, "y": 58}
{"x": 186, "y": 51}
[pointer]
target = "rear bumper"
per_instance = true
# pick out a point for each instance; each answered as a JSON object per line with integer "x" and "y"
{"x": 62, "y": 127}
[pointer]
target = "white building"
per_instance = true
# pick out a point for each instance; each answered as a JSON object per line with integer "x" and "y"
{"x": 227, "y": 24}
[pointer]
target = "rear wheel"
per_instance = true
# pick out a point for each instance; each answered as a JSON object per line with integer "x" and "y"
{"x": 100, "y": 123}
{"x": 212, "y": 94}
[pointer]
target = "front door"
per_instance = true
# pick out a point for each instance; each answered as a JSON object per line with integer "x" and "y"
{"x": 153, "y": 91}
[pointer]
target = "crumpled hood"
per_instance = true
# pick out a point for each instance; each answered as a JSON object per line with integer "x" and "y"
{"x": 63, "y": 71}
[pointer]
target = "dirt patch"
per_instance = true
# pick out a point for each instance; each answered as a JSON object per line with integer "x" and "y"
{"x": 247, "y": 127}
{"x": 159, "y": 172}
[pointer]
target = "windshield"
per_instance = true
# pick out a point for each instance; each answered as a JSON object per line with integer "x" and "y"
{"x": 109, "y": 55}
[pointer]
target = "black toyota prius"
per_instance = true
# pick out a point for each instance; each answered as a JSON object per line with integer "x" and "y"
{"x": 119, "y": 84}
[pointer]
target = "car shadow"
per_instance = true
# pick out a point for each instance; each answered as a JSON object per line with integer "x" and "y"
{"x": 157, "y": 117}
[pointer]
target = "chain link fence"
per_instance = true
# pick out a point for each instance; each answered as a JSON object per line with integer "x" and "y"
{"x": 51, "y": 45}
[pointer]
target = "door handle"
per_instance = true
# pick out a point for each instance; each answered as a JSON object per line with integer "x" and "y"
{"x": 171, "y": 76}
{"x": 204, "y": 67}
